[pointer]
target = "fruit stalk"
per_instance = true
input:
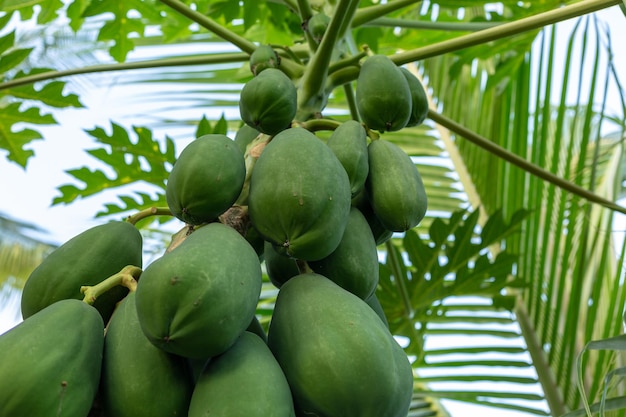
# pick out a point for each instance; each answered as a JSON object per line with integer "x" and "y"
{"x": 127, "y": 277}
{"x": 152, "y": 211}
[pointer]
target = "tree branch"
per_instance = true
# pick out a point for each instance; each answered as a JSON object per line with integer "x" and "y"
{"x": 211, "y": 25}
{"x": 155, "y": 63}
{"x": 504, "y": 30}
{"x": 520, "y": 162}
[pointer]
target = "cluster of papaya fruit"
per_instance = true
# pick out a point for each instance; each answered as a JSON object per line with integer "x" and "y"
{"x": 103, "y": 337}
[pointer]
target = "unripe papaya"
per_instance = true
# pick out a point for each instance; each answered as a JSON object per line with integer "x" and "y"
{"x": 419, "y": 107}
{"x": 262, "y": 58}
{"x": 299, "y": 195}
{"x": 374, "y": 303}
{"x": 279, "y": 267}
{"x": 354, "y": 264}
{"x": 317, "y": 26}
{"x": 51, "y": 362}
{"x": 206, "y": 179}
{"x": 244, "y": 136}
{"x": 244, "y": 381}
{"x": 139, "y": 379}
{"x": 349, "y": 143}
{"x": 394, "y": 187}
{"x": 383, "y": 97}
{"x": 339, "y": 358}
{"x": 268, "y": 101}
{"x": 86, "y": 259}
{"x": 381, "y": 234}
{"x": 196, "y": 300}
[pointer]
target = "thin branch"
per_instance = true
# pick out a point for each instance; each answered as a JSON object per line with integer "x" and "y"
{"x": 522, "y": 163}
{"x": 367, "y": 14}
{"x": 505, "y": 30}
{"x": 211, "y": 25}
{"x": 154, "y": 63}
{"x": 422, "y": 24}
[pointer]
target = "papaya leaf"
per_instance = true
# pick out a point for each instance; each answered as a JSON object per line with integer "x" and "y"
{"x": 7, "y": 41}
{"x": 14, "y": 139}
{"x": 205, "y": 128}
{"x": 49, "y": 10}
{"x": 75, "y": 13}
{"x": 10, "y": 60}
{"x": 50, "y": 93}
{"x": 131, "y": 161}
{"x": 122, "y": 27}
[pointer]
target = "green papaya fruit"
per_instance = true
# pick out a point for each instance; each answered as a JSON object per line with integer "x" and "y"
{"x": 354, "y": 264}
{"x": 244, "y": 381}
{"x": 381, "y": 234}
{"x": 419, "y": 106}
{"x": 206, "y": 179}
{"x": 299, "y": 195}
{"x": 139, "y": 379}
{"x": 256, "y": 328}
{"x": 349, "y": 143}
{"x": 279, "y": 267}
{"x": 51, "y": 362}
{"x": 339, "y": 358}
{"x": 262, "y": 58}
{"x": 394, "y": 187}
{"x": 86, "y": 259}
{"x": 244, "y": 136}
{"x": 196, "y": 300}
{"x": 317, "y": 25}
{"x": 383, "y": 97}
{"x": 374, "y": 303}
{"x": 268, "y": 102}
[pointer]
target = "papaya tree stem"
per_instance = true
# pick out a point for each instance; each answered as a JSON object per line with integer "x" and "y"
{"x": 311, "y": 97}
{"x": 522, "y": 163}
{"x": 240, "y": 42}
{"x": 127, "y": 277}
{"x": 152, "y": 211}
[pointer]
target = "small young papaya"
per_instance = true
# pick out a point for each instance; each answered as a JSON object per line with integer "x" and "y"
{"x": 244, "y": 381}
{"x": 299, "y": 195}
{"x": 339, "y": 358}
{"x": 244, "y": 136}
{"x": 383, "y": 97}
{"x": 51, "y": 362}
{"x": 139, "y": 379}
{"x": 86, "y": 259}
{"x": 268, "y": 101}
{"x": 394, "y": 187}
{"x": 279, "y": 267}
{"x": 349, "y": 143}
{"x": 196, "y": 300}
{"x": 317, "y": 25}
{"x": 206, "y": 179}
{"x": 419, "y": 107}
{"x": 354, "y": 264}
{"x": 262, "y": 58}
{"x": 381, "y": 234}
